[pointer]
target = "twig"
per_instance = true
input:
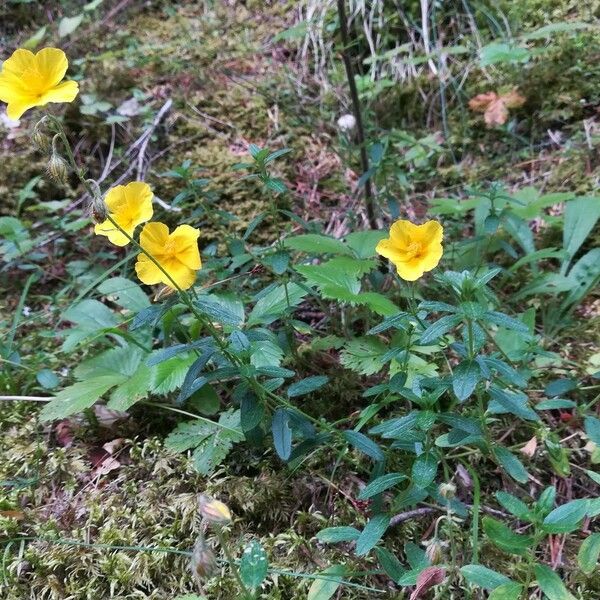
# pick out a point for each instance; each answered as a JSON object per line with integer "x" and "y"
{"x": 148, "y": 133}
{"x": 360, "y": 132}
{"x": 29, "y": 398}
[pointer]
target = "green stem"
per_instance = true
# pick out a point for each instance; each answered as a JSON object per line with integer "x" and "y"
{"x": 232, "y": 564}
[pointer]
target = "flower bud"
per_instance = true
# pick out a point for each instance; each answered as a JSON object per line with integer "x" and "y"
{"x": 213, "y": 511}
{"x": 41, "y": 140}
{"x": 203, "y": 562}
{"x": 447, "y": 490}
{"x": 433, "y": 551}
{"x": 58, "y": 168}
{"x": 98, "y": 209}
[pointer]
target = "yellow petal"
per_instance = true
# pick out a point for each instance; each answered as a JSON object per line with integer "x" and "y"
{"x": 430, "y": 232}
{"x": 185, "y": 239}
{"x": 138, "y": 197}
{"x": 113, "y": 233}
{"x": 147, "y": 271}
{"x": 410, "y": 271}
{"x": 389, "y": 250}
{"x": 432, "y": 257}
{"x": 153, "y": 238}
{"x": 19, "y": 62}
{"x": 182, "y": 275}
{"x": 402, "y": 232}
{"x": 115, "y": 199}
{"x": 16, "y": 108}
{"x": 51, "y": 65}
{"x": 64, "y": 92}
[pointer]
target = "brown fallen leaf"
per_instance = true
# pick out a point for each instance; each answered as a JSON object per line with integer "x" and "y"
{"x": 426, "y": 580}
{"x": 495, "y": 107}
{"x": 530, "y": 447}
{"x": 17, "y": 515}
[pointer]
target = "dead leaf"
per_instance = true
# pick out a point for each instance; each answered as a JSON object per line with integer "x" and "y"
{"x": 530, "y": 447}
{"x": 495, "y": 107}
{"x": 64, "y": 433}
{"x": 426, "y": 580}
{"x": 107, "y": 417}
{"x": 108, "y": 464}
{"x": 17, "y": 515}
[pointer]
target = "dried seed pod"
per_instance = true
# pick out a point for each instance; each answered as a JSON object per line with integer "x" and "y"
{"x": 203, "y": 562}
{"x": 98, "y": 209}
{"x": 58, "y": 168}
{"x": 447, "y": 490}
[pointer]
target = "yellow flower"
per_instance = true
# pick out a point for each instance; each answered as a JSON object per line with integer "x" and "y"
{"x": 129, "y": 206}
{"x": 29, "y": 80}
{"x": 177, "y": 253}
{"x": 414, "y": 249}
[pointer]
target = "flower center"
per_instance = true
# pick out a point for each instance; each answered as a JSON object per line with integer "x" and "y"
{"x": 170, "y": 248}
{"x": 414, "y": 250}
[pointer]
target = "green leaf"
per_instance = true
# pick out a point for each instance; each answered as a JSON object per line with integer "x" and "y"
{"x": 363, "y": 443}
{"x": 252, "y": 412}
{"x": 307, "y": 385}
{"x": 265, "y": 353}
{"x": 439, "y": 328}
{"x": 507, "y": 591}
{"x": 371, "y": 534}
{"x": 331, "y": 281}
{"x": 511, "y": 464}
{"x": 551, "y": 584}
{"x": 69, "y": 24}
{"x": 495, "y": 53}
{"x": 79, "y": 396}
{"x": 567, "y": 517}
{"x": 170, "y": 374}
{"x": 559, "y": 387}
{"x": 35, "y": 39}
{"x": 314, "y": 243}
{"x": 464, "y": 379}
{"x": 47, "y": 379}
{"x": 326, "y": 583}
{"x": 364, "y": 355}
{"x": 274, "y": 304}
{"x": 483, "y": 577}
{"x": 333, "y": 535}
{"x": 133, "y": 389}
{"x": 424, "y": 469}
{"x": 513, "y": 505}
{"x": 212, "y": 440}
{"x": 125, "y": 293}
{"x": 581, "y": 215}
{"x": 507, "y": 401}
{"x": 220, "y": 309}
{"x": 552, "y": 28}
{"x": 588, "y": 554}
{"x": 380, "y": 484}
{"x": 505, "y": 538}
{"x": 282, "y": 433}
{"x": 364, "y": 242}
{"x": 502, "y": 320}
{"x": 582, "y": 278}
{"x": 390, "y": 564}
{"x": 253, "y": 565}
{"x": 592, "y": 429}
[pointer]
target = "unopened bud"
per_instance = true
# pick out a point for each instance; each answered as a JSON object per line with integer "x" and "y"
{"x": 98, "y": 209}
{"x": 447, "y": 490}
{"x": 213, "y": 511}
{"x": 203, "y": 562}
{"x": 433, "y": 551}
{"x": 41, "y": 140}
{"x": 58, "y": 168}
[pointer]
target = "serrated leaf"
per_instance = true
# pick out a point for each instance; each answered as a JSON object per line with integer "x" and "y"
{"x": 77, "y": 397}
{"x": 363, "y": 243}
{"x": 126, "y": 293}
{"x": 439, "y": 328}
{"x": 371, "y": 534}
{"x": 274, "y": 304}
{"x": 364, "y": 355}
{"x": 221, "y": 309}
{"x": 170, "y": 374}
{"x": 513, "y": 505}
